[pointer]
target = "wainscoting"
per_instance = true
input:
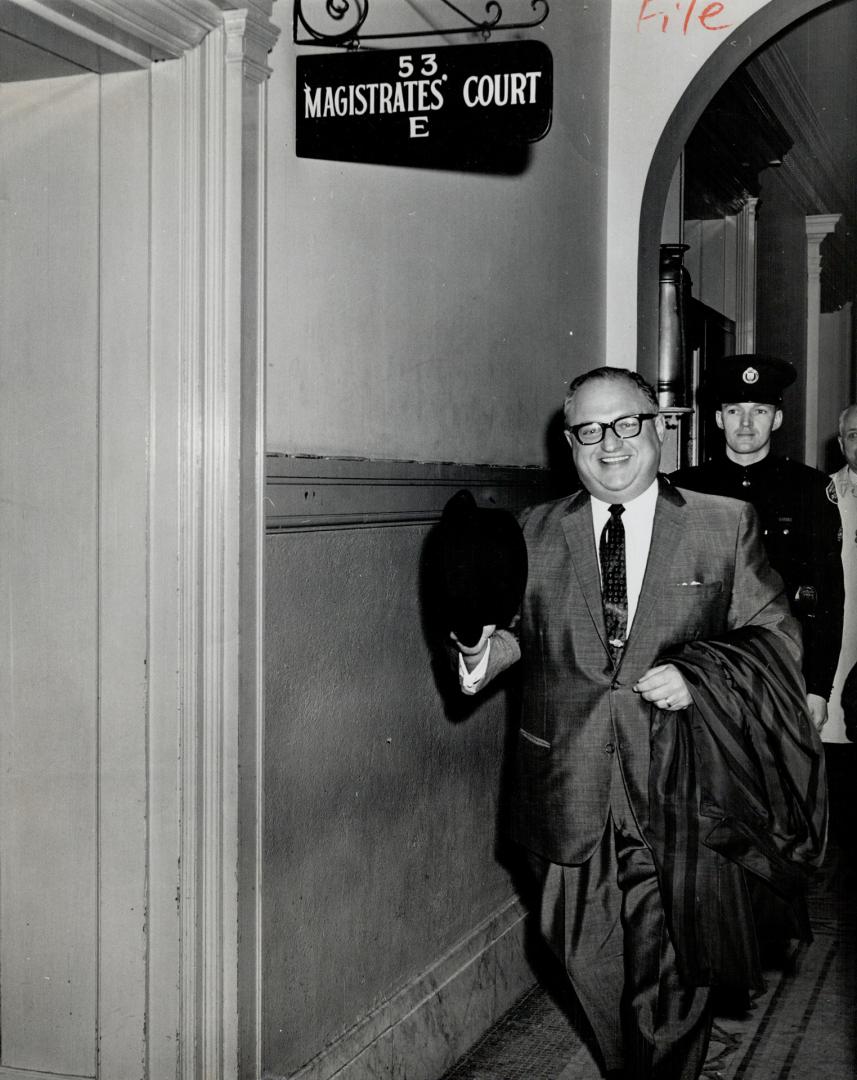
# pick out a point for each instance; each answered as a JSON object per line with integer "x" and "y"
{"x": 393, "y": 934}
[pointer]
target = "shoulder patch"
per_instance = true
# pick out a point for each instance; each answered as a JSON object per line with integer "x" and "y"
{"x": 831, "y": 491}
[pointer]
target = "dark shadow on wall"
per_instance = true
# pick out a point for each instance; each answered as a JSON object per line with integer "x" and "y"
{"x": 831, "y": 458}
{"x": 563, "y": 478}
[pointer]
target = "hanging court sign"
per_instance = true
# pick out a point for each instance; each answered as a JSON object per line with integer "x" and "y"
{"x": 455, "y": 106}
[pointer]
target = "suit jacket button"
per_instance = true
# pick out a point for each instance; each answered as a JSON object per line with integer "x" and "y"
{"x": 609, "y": 748}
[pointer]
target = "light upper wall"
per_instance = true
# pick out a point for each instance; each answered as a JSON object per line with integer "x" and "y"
{"x": 435, "y": 315}
{"x": 438, "y": 315}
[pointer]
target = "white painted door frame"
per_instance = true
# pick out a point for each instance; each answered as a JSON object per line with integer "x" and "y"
{"x": 208, "y": 284}
{"x": 205, "y": 255}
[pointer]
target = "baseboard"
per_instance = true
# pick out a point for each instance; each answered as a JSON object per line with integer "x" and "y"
{"x": 426, "y": 1027}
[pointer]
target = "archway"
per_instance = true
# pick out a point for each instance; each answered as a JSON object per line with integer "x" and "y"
{"x": 750, "y": 36}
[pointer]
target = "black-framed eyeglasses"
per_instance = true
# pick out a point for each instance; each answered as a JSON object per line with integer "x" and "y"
{"x": 623, "y": 427}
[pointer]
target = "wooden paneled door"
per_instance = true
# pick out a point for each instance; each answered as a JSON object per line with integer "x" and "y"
{"x": 73, "y": 591}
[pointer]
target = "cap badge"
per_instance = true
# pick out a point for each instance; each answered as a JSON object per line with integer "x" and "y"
{"x": 750, "y": 375}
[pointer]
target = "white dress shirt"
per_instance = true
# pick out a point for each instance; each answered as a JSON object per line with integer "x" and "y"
{"x": 638, "y": 519}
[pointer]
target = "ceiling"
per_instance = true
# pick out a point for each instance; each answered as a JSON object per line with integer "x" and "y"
{"x": 21, "y": 61}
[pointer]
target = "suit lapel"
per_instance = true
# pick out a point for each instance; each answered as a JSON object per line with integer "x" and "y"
{"x": 667, "y": 538}
{"x": 577, "y": 526}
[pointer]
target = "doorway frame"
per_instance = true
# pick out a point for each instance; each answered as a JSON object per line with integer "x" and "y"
{"x": 203, "y": 258}
{"x": 747, "y": 38}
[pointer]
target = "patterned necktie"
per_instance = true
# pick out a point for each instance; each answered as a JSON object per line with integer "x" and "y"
{"x": 614, "y": 588}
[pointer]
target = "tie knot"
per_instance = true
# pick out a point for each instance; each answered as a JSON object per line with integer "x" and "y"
{"x": 616, "y": 510}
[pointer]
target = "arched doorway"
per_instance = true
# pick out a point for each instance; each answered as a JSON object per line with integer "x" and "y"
{"x": 804, "y": 306}
{"x": 752, "y": 34}
{"x": 674, "y": 68}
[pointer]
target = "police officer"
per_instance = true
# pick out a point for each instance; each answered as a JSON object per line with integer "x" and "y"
{"x": 795, "y": 503}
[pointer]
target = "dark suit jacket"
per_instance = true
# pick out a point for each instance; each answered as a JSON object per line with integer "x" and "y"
{"x": 706, "y": 574}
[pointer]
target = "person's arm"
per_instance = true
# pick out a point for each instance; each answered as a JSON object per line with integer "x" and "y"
{"x": 758, "y": 599}
{"x": 758, "y": 595}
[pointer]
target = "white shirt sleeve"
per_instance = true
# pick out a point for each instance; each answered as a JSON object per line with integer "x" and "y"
{"x": 470, "y": 680}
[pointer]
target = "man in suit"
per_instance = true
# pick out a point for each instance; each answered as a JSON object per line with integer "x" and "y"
{"x": 621, "y": 573}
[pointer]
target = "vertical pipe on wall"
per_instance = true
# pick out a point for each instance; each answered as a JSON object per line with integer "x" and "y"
{"x": 673, "y": 352}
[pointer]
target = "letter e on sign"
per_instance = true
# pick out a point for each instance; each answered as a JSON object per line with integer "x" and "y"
{"x": 419, "y": 127}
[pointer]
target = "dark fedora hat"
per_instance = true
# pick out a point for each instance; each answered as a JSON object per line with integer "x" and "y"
{"x": 482, "y": 566}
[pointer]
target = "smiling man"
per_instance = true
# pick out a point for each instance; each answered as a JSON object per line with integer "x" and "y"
{"x": 629, "y": 581}
{"x": 795, "y": 503}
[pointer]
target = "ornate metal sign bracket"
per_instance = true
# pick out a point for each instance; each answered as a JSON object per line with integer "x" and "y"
{"x": 345, "y": 20}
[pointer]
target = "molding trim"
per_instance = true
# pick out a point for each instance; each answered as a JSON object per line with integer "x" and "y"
{"x": 411, "y": 1034}
{"x": 190, "y": 570}
{"x": 251, "y": 729}
{"x": 221, "y": 287}
{"x": 307, "y": 494}
{"x": 136, "y": 32}
{"x": 27, "y": 1074}
{"x": 253, "y": 1052}
{"x": 809, "y": 172}
{"x": 809, "y": 169}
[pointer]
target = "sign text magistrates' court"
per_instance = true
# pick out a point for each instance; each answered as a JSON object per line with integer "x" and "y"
{"x": 449, "y": 107}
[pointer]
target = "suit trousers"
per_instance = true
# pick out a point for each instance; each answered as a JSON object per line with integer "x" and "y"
{"x": 605, "y": 921}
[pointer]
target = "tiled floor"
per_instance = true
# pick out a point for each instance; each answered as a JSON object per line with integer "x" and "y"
{"x": 804, "y": 1027}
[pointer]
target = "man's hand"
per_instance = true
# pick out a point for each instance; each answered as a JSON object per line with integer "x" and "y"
{"x": 473, "y": 653}
{"x": 817, "y": 710}
{"x": 665, "y": 687}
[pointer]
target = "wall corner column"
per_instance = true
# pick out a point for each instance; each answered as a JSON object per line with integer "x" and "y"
{"x": 209, "y": 122}
{"x": 253, "y": 32}
{"x": 818, "y": 226}
{"x": 745, "y": 284}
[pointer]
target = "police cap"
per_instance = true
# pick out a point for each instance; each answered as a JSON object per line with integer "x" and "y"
{"x": 749, "y": 377}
